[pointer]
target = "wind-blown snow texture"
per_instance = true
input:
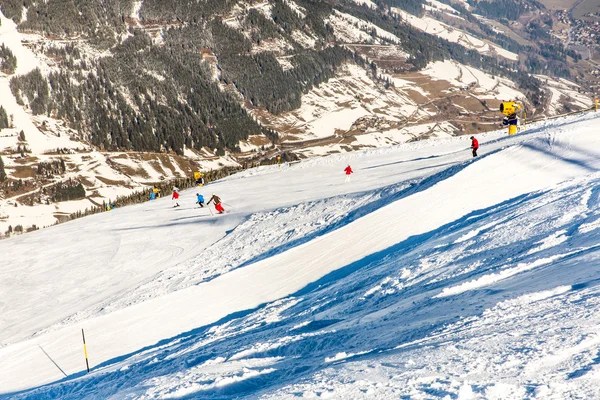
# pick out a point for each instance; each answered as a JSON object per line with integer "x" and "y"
{"x": 431, "y": 274}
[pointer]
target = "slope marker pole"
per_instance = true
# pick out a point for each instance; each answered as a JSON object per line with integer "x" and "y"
{"x": 87, "y": 363}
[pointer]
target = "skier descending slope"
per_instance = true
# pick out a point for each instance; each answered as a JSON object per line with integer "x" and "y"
{"x": 175, "y": 196}
{"x": 217, "y": 201}
{"x": 348, "y": 171}
{"x": 474, "y": 145}
{"x": 199, "y": 199}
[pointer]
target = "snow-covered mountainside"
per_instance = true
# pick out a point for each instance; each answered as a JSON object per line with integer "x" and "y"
{"x": 104, "y": 99}
{"x": 430, "y": 274}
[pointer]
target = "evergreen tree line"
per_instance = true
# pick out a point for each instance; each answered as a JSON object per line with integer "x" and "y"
{"x": 65, "y": 191}
{"x": 260, "y": 77}
{"x": 19, "y": 230}
{"x": 508, "y": 9}
{"x": 66, "y": 56}
{"x": 260, "y": 26}
{"x": 8, "y": 61}
{"x": 15, "y": 187}
{"x": 169, "y": 101}
{"x": 51, "y": 168}
{"x": 184, "y": 10}
{"x": 35, "y": 89}
{"x": 13, "y": 9}
{"x": 283, "y": 15}
{"x": 191, "y": 11}
{"x": 91, "y": 19}
{"x": 414, "y": 7}
{"x": 316, "y": 13}
{"x": 150, "y": 114}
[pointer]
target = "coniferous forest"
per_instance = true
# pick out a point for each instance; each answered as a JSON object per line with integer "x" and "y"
{"x": 8, "y": 61}
{"x": 158, "y": 92}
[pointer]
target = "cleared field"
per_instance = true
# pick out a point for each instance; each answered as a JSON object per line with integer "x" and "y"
{"x": 586, "y": 6}
{"x": 558, "y": 4}
{"x": 508, "y": 32}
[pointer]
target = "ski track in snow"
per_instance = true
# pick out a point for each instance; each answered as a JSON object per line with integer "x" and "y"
{"x": 500, "y": 301}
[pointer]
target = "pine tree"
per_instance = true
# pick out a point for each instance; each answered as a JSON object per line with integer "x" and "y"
{"x": 8, "y": 61}
{"x": 3, "y": 118}
{"x": 2, "y": 172}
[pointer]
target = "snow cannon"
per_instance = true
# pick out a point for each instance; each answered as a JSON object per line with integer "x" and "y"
{"x": 509, "y": 109}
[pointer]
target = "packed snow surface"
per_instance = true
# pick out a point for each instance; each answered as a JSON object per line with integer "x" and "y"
{"x": 431, "y": 274}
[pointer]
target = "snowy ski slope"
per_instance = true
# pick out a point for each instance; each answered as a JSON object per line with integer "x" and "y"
{"x": 430, "y": 274}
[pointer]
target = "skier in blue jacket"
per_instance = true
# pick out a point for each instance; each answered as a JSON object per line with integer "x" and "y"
{"x": 200, "y": 200}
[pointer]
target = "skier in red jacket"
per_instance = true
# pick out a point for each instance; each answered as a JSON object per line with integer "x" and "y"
{"x": 474, "y": 145}
{"x": 175, "y": 196}
{"x": 348, "y": 171}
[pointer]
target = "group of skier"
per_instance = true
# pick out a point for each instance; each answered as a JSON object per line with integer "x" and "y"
{"x": 474, "y": 148}
{"x": 199, "y": 200}
{"x": 214, "y": 199}
{"x": 219, "y": 204}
